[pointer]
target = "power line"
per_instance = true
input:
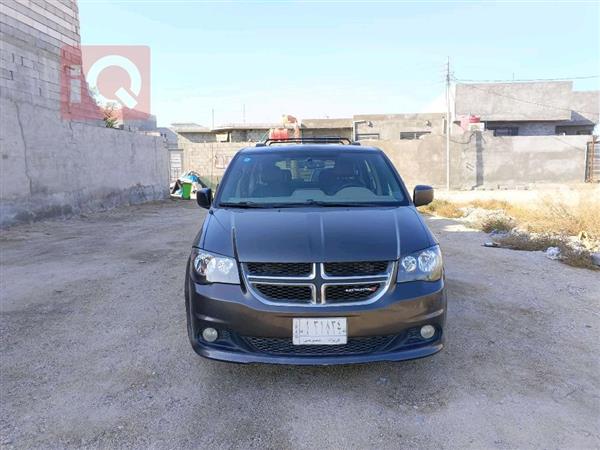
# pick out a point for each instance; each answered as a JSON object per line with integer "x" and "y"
{"x": 527, "y": 101}
{"x": 449, "y": 77}
{"x": 587, "y": 77}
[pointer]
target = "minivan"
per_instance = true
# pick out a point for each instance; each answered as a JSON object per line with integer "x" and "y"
{"x": 314, "y": 253}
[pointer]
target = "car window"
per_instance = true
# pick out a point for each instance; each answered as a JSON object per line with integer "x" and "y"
{"x": 282, "y": 178}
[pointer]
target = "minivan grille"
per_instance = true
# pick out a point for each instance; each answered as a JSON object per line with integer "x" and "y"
{"x": 288, "y": 293}
{"x": 355, "y": 269}
{"x": 318, "y": 283}
{"x": 279, "y": 269}
{"x": 284, "y": 346}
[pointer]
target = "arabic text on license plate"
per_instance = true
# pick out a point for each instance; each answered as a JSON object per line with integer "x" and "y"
{"x": 319, "y": 331}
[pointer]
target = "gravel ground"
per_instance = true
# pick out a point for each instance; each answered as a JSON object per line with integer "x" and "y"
{"x": 95, "y": 353}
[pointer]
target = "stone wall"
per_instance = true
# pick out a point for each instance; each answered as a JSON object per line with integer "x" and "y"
{"x": 51, "y": 166}
{"x": 478, "y": 160}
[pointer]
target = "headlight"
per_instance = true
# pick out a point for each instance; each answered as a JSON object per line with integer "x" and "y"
{"x": 423, "y": 265}
{"x": 212, "y": 268}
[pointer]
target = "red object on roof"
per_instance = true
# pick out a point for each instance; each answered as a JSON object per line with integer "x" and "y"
{"x": 279, "y": 133}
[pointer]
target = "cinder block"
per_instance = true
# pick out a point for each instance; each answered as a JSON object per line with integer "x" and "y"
{"x": 16, "y": 95}
{"x": 26, "y": 62}
{"x": 7, "y": 74}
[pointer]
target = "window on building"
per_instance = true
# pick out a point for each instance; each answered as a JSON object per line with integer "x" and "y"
{"x": 413, "y": 134}
{"x": 567, "y": 130}
{"x": 505, "y": 131}
{"x": 364, "y": 136}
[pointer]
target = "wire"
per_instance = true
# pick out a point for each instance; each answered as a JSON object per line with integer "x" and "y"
{"x": 528, "y": 101}
{"x": 588, "y": 77}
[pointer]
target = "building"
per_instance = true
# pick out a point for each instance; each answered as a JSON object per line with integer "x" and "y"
{"x": 397, "y": 126}
{"x": 244, "y": 132}
{"x": 504, "y": 109}
{"x": 529, "y": 109}
{"x": 193, "y": 132}
{"x": 233, "y": 132}
{"x": 312, "y": 128}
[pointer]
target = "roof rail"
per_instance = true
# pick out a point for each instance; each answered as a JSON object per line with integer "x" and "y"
{"x": 308, "y": 140}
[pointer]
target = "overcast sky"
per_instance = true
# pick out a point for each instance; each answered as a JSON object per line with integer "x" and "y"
{"x": 336, "y": 59}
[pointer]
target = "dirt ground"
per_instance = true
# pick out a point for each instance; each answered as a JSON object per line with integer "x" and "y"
{"x": 95, "y": 354}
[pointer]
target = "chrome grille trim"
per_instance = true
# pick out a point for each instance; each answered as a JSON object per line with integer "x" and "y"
{"x": 318, "y": 281}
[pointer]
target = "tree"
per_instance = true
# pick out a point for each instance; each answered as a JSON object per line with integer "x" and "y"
{"x": 109, "y": 115}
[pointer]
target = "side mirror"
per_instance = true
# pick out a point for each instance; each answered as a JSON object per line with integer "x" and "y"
{"x": 422, "y": 195}
{"x": 204, "y": 197}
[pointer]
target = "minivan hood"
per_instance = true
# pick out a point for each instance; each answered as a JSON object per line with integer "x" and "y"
{"x": 315, "y": 234}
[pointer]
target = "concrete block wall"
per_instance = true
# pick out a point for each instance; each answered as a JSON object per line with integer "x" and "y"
{"x": 208, "y": 159}
{"x": 482, "y": 161}
{"x": 33, "y": 34}
{"x": 517, "y": 161}
{"x": 477, "y": 160}
{"x": 50, "y": 166}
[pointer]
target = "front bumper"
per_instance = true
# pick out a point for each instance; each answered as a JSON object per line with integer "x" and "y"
{"x": 392, "y": 323}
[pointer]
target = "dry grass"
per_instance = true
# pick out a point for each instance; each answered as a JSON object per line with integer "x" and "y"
{"x": 490, "y": 204}
{"x": 497, "y": 224}
{"x": 530, "y": 243}
{"x": 442, "y": 208}
{"x": 546, "y": 224}
{"x": 548, "y": 217}
{"x": 559, "y": 218}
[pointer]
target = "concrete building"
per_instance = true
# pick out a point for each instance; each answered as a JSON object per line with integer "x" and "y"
{"x": 311, "y": 128}
{"x": 529, "y": 109}
{"x": 244, "y": 132}
{"x": 376, "y": 126}
{"x": 193, "y": 132}
{"x": 233, "y": 132}
{"x": 397, "y": 126}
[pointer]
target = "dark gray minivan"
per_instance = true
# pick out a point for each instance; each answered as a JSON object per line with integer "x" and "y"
{"x": 314, "y": 254}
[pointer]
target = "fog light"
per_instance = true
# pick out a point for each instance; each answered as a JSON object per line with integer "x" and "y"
{"x": 427, "y": 331}
{"x": 211, "y": 335}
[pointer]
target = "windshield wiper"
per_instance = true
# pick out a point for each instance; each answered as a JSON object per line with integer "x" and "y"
{"x": 245, "y": 205}
{"x": 250, "y": 204}
{"x": 342, "y": 204}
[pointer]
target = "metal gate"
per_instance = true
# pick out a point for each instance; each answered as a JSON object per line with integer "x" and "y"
{"x": 175, "y": 164}
{"x": 592, "y": 166}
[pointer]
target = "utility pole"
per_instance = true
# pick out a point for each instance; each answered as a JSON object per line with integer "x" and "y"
{"x": 448, "y": 124}
{"x": 212, "y": 111}
{"x": 244, "y": 113}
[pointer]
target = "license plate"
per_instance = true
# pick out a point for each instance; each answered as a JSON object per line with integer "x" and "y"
{"x": 322, "y": 331}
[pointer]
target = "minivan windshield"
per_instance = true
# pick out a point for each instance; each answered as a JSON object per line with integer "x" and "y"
{"x": 285, "y": 179}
